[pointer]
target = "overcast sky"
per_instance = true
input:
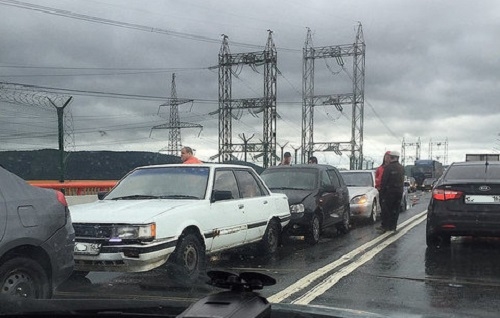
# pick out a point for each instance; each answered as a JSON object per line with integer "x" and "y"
{"x": 432, "y": 71}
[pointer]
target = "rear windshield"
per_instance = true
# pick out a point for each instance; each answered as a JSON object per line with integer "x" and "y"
{"x": 473, "y": 172}
{"x": 303, "y": 179}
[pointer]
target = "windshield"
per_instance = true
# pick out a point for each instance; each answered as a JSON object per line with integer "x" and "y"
{"x": 175, "y": 182}
{"x": 306, "y": 179}
{"x": 356, "y": 179}
{"x": 156, "y": 141}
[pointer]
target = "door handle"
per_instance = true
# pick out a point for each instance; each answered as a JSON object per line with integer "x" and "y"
{"x": 265, "y": 202}
{"x": 241, "y": 206}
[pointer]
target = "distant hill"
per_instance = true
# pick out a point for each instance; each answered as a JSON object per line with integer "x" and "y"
{"x": 85, "y": 165}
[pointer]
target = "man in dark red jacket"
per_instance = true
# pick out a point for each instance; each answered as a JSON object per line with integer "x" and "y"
{"x": 391, "y": 192}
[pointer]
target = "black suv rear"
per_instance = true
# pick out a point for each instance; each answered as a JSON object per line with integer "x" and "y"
{"x": 317, "y": 195}
{"x": 36, "y": 238}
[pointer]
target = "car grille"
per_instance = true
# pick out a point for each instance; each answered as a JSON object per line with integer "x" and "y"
{"x": 93, "y": 230}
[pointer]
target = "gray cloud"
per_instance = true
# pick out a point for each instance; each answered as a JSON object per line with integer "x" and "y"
{"x": 431, "y": 70}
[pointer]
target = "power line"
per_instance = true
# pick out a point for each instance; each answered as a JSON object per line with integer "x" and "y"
{"x": 133, "y": 26}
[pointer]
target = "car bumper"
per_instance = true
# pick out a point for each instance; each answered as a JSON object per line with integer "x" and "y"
{"x": 62, "y": 260}
{"x": 458, "y": 224}
{"x": 125, "y": 258}
{"x": 361, "y": 211}
{"x": 299, "y": 223}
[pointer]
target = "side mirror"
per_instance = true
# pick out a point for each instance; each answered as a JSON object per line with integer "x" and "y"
{"x": 220, "y": 195}
{"x": 102, "y": 194}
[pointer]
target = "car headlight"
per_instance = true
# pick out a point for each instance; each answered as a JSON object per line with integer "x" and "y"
{"x": 297, "y": 208}
{"x": 133, "y": 232}
{"x": 360, "y": 199}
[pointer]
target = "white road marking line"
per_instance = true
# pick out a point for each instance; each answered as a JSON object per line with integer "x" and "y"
{"x": 310, "y": 278}
{"x": 330, "y": 281}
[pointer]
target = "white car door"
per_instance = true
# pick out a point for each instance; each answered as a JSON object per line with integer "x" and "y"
{"x": 256, "y": 202}
{"x": 227, "y": 221}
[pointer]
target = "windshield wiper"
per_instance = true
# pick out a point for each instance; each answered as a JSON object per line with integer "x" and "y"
{"x": 136, "y": 197}
{"x": 179, "y": 196}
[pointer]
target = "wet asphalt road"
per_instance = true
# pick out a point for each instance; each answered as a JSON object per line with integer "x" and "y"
{"x": 391, "y": 274}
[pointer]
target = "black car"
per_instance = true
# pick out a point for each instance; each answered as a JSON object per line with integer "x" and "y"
{"x": 36, "y": 238}
{"x": 465, "y": 202}
{"x": 317, "y": 195}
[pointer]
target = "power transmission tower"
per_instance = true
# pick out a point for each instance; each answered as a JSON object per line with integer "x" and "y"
{"x": 442, "y": 150}
{"x": 405, "y": 145}
{"x": 174, "y": 125}
{"x": 267, "y": 104}
{"x": 27, "y": 95}
{"x": 355, "y": 99}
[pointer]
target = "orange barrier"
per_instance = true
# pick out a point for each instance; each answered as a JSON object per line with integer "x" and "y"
{"x": 76, "y": 187}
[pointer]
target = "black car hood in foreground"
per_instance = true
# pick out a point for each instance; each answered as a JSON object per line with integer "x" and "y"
{"x": 152, "y": 308}
{"x": 295, "y": 195}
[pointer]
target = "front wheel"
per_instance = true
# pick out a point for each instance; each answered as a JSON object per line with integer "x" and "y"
{"x": 271, "y": 239}
{"x": 314, "y": 230}
{"x": 188, "y": 260}
{"x": 344, "y": 226}
{"x": 373, "y": 214}
{"x": 24, "y": 277}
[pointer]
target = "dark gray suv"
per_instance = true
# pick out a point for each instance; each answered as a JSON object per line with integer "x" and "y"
{"x": 36, "y": 238}
{"x": 318, "y": 198}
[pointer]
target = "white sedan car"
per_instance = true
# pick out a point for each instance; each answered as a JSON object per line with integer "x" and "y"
{"x": 363, "y": 196}
{"x": 177, "y": 214}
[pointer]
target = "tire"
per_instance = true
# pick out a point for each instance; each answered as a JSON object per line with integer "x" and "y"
{"x": 24, "y": 277}
{"x": 271, "y": 239}
{"x": 373, "y": 214}
{"x": 344, "y": 226}
{"x": 188, "y": 260}
{"x": 314, "y": 230}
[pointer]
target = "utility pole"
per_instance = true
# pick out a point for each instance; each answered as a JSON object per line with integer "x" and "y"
{"x": 60, "y": 129}
{"x": 295, "y": 152}
{"x": 355, "y": 99}
{"x": 282, "y": 149}
{"x": 174, "y": 124}
{"x": 33, "y": 96}
{"x": 245, "y": 143}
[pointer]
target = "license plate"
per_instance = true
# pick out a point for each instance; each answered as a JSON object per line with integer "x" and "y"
{"x": 482, "y": 199}
{"x": 87, "y": 248}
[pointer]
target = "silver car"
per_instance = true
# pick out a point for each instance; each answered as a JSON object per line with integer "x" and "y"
{"x": 363, "y": 196}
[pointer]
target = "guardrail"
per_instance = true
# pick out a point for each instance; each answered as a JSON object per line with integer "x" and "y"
{"x": 76, "y": 187}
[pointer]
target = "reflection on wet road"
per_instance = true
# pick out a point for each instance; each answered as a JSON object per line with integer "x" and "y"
{"x": 392, "y": 274}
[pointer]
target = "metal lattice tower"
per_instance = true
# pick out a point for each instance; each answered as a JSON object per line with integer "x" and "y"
{"x": 355, "y": 99}
{"x": 174, "y": 125}
{"x": 267, "y": 104}
{"x": 405, "y": 145}
{"x": 441, "y": 150}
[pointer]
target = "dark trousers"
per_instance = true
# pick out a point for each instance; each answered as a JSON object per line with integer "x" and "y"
{"x": 390, "y": 205}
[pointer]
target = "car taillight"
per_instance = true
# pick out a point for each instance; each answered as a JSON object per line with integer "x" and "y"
{"x": 61, "y": 198}
{"x": 444, "y": 195}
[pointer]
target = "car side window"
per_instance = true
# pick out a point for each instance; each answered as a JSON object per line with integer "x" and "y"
{"x": 336, "y": 181}
{"x": 226, "y": 181}
{"x": 249, "y": 187}
{"x": 325, "y": 179}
